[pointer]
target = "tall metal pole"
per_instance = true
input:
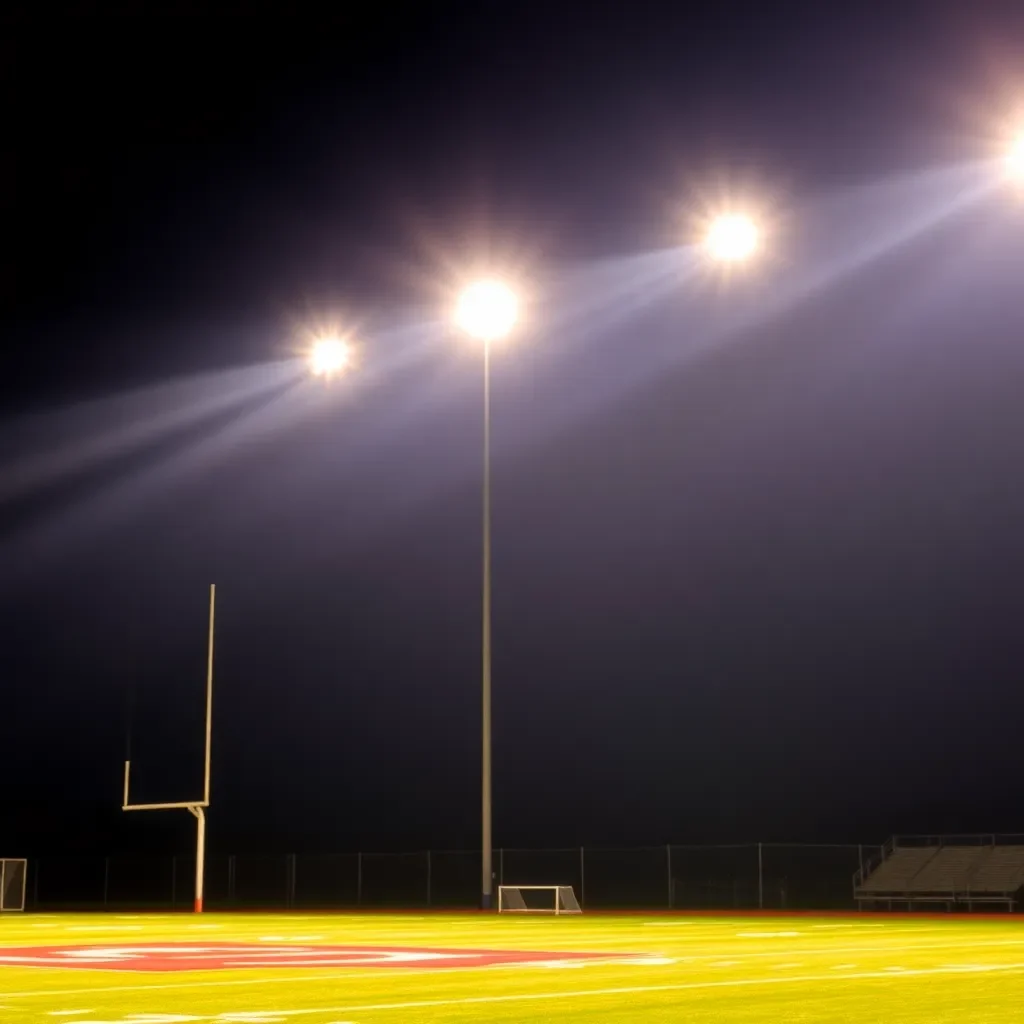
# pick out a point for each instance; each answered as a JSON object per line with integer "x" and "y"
{"x": 209, "y": 696}
{"x": 200, "y": 815}
{"x": 199, "y": 812}
{"x": 486, "y": 870}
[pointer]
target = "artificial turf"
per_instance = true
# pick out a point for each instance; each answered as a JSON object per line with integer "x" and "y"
{"x": 734, "y": 970}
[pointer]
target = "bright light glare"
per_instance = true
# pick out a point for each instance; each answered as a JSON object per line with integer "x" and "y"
{"x": 487, "y": 310}
{"x": 330, "y": 357}
{"x": 732, "y": 238}
{"x": 1015, "y": 158}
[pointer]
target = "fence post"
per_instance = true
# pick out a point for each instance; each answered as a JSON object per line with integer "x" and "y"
{"x": 583, "y": 884}
{"x": 359, "y": 878}
{"x": 668, "y": 868}
{"x": 106, "y": 880}
{"x": 428, "y": 878}
{"x": 760, "y": 876}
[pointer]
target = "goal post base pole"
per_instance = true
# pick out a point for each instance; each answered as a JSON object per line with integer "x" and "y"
{"x": 198, "y": 812}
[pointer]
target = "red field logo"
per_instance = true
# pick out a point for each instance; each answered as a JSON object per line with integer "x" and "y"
{"x": 217, "y": 956}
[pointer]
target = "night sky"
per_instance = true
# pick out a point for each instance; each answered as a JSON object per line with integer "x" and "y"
{"x": 758, "y": 545}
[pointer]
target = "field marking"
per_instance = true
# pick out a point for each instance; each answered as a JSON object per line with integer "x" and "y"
{"x": 341, "y": 975}
{"x": 160, "y": 1018}
{"x": 103, "y": 927}
{"x": 524, "y": 997}
{"x": 641, "y": 989}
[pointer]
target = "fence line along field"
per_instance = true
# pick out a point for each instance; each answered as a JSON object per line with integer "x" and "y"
{"x": 384, "y": 969}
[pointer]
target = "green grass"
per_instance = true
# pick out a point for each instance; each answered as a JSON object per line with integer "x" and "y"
{"x": 732, "y": 970}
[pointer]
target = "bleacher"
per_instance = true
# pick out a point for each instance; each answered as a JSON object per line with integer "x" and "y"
{"x": 948, "y": 871}
{"x": 893, "y": 877}
{"x": 1000, "y": 871}
{"x": 961, "y": 872}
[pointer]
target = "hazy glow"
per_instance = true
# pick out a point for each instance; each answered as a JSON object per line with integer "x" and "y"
{"x": 732, "y": 238}
{"x": 1015, "y": 158}
{"x": 330, "y": 357}
{"x": 487, "y": 310}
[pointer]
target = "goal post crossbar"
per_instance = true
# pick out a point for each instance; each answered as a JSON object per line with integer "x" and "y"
{"x": 179, "y": 805}
{"x": 512, "y": 901}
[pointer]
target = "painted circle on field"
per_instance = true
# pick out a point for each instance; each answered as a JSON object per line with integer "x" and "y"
{"x": 236, "y": 956}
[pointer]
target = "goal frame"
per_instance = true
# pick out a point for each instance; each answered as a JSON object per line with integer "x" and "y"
{"x": 5, "y": 862}
{"x": 197, "y": 808}
{"x": 555, "y": 910}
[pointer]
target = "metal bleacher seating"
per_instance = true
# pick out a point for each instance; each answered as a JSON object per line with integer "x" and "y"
{"x": 954, "y": 873}
{"x": 893, "y": 876}
{"x": 999, "y": 875}
{"x": 948, "y": 871}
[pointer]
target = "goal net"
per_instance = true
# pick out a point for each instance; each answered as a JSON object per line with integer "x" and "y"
{"x": 13, "y": 875}
{"x": 537, "y": 899}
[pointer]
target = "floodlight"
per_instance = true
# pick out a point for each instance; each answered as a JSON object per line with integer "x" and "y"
{"x": 487, "y": 310}
{"x": 330, "y": 357}
{"x": 732, "y": 238}
{"x": 1015, "y": 158}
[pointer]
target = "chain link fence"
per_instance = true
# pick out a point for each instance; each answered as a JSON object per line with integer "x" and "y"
{"x": 750, "y": 876}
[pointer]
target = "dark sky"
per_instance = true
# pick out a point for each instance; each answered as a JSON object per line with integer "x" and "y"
{"x": 758, "y": 561}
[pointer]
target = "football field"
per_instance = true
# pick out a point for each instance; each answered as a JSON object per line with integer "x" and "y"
{"x": 385, "y": 969}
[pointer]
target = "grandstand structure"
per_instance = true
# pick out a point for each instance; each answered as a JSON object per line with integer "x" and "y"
{"x": 958, "y": 872}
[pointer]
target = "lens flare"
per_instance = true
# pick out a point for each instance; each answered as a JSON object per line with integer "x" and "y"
{"x": 732, "y": 238}
{"x": 487, "y": 310}
{"x": 330, "y": 357}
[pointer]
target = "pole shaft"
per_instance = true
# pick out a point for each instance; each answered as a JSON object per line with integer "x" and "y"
{"x": 760, "y": 876}
{"x": 668, "y": 871}
{"x": 209, "y": 697}
{"x": 486, "y": 869}
{"x": 200, "y": 815}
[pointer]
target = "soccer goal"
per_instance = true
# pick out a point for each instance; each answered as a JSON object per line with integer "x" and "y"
{"x": 13, "y": 876}
{"x": 537, "y": 899}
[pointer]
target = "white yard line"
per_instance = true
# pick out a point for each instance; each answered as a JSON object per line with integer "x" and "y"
{"x": 625, "y": 990}
{"x": 642, "y": 989}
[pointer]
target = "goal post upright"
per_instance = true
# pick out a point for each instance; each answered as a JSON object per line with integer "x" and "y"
{"x": 197, "y": 808}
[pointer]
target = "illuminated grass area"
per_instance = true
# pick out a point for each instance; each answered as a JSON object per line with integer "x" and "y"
{"x": 735, "y": 969}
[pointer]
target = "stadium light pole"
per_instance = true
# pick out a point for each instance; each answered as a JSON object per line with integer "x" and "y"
{"x": 487, "y": 311}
